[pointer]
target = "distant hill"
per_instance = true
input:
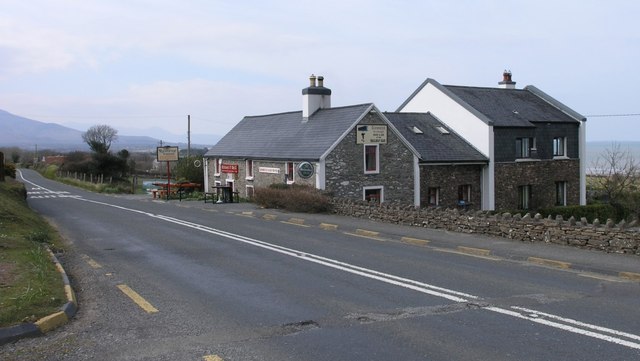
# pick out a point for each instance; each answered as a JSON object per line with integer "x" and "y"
{"x": 17, "y": 131}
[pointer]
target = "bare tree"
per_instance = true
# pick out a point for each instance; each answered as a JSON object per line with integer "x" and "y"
{"x": 616, "y": 173}
{"x": 99, "y": 138}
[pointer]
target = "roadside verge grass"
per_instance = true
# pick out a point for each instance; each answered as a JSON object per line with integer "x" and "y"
{"x": 30, "y": 285}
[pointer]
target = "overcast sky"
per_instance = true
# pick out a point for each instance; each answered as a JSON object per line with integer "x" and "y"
{"x": 139, "y": 64}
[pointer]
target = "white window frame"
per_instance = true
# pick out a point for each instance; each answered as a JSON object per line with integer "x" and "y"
{"x": 248, "y": 165}
{"x": 217, "y": 167}
{"x": 368, "y": 188}
{"x": 377, "y": 160}
{"x": 524, "y": 197}
{"x": 290, "y": 178}
{"x": 524, "y": 151}
{"x": 556, "y": 150}
{"x": 563, "y": 185}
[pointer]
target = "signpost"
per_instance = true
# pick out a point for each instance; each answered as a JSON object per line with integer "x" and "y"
{"x": 168, "y": 154}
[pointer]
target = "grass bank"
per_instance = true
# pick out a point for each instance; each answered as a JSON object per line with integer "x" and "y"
{"x": 30, "y": 285}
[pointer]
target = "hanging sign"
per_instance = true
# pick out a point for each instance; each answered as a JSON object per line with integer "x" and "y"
{"x": 305, "y": 170}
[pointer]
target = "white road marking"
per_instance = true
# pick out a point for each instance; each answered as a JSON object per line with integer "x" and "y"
{"x": 561, "y": 323}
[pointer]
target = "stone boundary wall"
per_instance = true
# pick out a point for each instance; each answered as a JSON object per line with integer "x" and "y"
{"x": 608, "y": 237}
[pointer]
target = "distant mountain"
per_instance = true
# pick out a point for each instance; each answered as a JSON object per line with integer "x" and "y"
{"x": 17, "y": 131}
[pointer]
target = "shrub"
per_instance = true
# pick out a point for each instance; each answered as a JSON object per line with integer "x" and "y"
{"x": 592, "y": 211}
{"x": 10, "y": 170}
{"x": 295, "y": 198}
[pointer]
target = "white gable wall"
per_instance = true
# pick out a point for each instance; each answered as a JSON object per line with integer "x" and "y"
{"x": 450, "y": 112}
{"x": 473, "y": 129}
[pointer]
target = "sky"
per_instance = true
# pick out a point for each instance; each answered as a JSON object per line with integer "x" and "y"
{"x": 142, "y": 66}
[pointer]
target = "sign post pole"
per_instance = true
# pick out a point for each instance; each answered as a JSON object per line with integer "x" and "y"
{"x": 168, "y": 154}
{"x": 168, "y": 180}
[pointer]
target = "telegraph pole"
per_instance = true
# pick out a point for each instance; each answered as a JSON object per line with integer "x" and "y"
{"x": 188, "y": 136}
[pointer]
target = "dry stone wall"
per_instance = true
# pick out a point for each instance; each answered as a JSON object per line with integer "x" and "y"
{"x": 607, "y": 236}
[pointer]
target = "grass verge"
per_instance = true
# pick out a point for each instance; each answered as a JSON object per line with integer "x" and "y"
{"x": 30, "y": 285}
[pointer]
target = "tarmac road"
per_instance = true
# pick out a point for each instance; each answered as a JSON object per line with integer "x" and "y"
{"x": 161, "y": 280}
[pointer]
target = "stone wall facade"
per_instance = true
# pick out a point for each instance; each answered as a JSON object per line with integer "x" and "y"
{"x": 542, "y": 177}
{"x": 344, "y": 167}
{"x": 447, "y": 179}
{"x": 608, "y": 237}
{"x": 265, "y": 173}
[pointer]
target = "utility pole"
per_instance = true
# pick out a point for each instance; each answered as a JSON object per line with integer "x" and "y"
{"x": 188, "y": 136}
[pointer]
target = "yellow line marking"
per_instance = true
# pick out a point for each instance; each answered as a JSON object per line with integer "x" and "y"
{"x": 364, "y": 232}
{"x": 212, "y": 358}
{"x": 549, "y": 262}
{"x": 91, "y": 262}
{"x": 415, "y": 241}
{"x": 135, "y": 297}
{"x": 296, "y": 222}
{"x": 456, "y": 251}
{"x": 630, "y": 276}
{"x": 328, "y": 226}
{"x": 474, "y": 251}
{"x": 375, "y": 238}
{"x": 270, "y": 217}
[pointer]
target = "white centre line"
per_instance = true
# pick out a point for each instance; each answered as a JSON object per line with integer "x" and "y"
{"x": 561, "y": 323}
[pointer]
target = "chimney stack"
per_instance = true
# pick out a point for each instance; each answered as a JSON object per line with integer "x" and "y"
{"x": 315, "y": 97}
{"x": 506, "y": 82}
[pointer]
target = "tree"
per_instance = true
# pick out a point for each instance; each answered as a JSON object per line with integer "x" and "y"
{"x": 99, "y": 138}
{"x": 187, "y": 169}
{"x": 616, "y": 173}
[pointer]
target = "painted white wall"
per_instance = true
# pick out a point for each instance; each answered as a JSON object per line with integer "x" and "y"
{"x": 465, "y": 123}
{"x": 583, "y": 162}
{"x": 313, "y": 102}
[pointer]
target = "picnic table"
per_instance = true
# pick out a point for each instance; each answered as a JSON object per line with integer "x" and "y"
{"x": 175, "y": 188}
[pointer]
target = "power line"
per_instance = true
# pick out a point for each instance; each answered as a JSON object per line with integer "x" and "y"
{"x": 613, "y": 115}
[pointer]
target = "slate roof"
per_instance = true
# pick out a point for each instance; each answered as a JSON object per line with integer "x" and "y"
{"x": 287, "y": 136}
{"x": 511, "y": 107}
{"x": 432, "y": 145}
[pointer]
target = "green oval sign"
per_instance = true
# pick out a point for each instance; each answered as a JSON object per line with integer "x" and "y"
{"x": 306, "y": 170}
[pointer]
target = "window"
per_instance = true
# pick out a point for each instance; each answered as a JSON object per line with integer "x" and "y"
{"x": 289, "y": 172}
{"x": 218, "y": 166}
{"x": 464, "y": 194}
{"x": 373, "y": 194}
{"x": 249, "y": 167}
{"x": 559, "y": 146}
{"x": 524, "y": 147}
{"x": 249, "y": 192}
{"x": 524, "y": 197}
{"x": 561, "y": 193}
{"x": 434, "y": 196}
{"x": 371, "y": 159}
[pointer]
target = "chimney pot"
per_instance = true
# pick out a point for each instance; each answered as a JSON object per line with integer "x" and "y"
{"x": 320, "y": 80}
{"x": 506, "y": 82}
{"x": 312, "y": 81}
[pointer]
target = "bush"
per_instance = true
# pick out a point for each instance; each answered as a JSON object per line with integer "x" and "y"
{"x": 10, "y": 170}
{"x": 294, "y": 198}
{"x": 592, "y": 211}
